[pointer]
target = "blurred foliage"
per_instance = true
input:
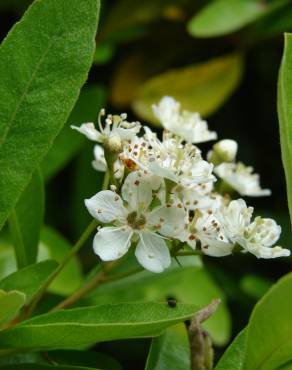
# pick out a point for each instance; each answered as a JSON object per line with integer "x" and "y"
{"x": 220, "y": 58}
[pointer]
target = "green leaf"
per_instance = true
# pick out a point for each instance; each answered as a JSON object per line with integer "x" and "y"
{"x": 68, "y": 143}
{"x": 221, "y": 17}
{"x": 170, "y": 350}
{"x": 190, "y": 284}
{"x": 44, "y": 367}
{"x": 285, "y": 114}
{"x": 269, "y": 332}
{"x": 234, "y": 355}
{"x": 10, "y": 304}
{"x": 200, "y": 87}
{"x": 44, "y": 61}
{"x": 29, "y": 279}
{"x": 26, "y": 219}
{"x": 82, "y": 327}
{"x": 55, "y": 246}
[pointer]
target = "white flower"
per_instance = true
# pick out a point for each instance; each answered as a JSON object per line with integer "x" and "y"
{"x": 242, "y": 179}
{"x": 99, "y": 162}
{"x": 200, "y": 196}
{"x": 115, "y": 133}
{"x": 132, "y": 217}
{"x": 255, "y": 237}
{"x": 206, "y": 228}
{"x": 189, "y": 126}
{"x": 223, "y": 151}
{"x": 174, "y": 161}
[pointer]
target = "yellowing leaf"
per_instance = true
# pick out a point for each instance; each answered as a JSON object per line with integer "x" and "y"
{"x": 200, "y": 87}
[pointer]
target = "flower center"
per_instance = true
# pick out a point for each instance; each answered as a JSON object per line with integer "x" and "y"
{"x": 135, "y": 221}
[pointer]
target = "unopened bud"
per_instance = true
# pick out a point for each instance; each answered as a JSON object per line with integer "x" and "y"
{"x": 223, "y": 151}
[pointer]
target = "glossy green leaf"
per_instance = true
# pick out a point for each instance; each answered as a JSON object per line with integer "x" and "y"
{"x": 44, "y": 367}
{"x": 285, "y": 115}
{"x": 234, "y": 355}
{"x": 269, "y": 332}
{"x": 190, "y": 284}
{"x": 82, "y": 327}
{"x": 29, "y": 279}
{"x": 10, "y": 304}
{"x": 221, "y": 17}
{"x": 55, "y": 246}
{"x": 26, "y": 219}
{"x": 200, "y": 87}
{"x": 68, "y": 143}
{"x": 171, "y": 350}
{"x": 44, "y": 61}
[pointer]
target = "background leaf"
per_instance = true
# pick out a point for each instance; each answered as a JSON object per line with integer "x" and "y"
{"x": 170, "y": 350}
{"x": 26, "y": 219}
{"x": 82, "y": 327}
{"x": 43, "y": 63}
{"x": 221, "y": 17}
{"x": 55, "y": 246}
{"x": 200, "y": 87}
{"x": 68, "y": 143}
{"x": 29, "y": 279}
{"x": 285, "y": 114}
{"x": 10, "y": 304}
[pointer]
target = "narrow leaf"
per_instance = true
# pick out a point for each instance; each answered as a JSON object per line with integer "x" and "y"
{"x": 200, "y": 87}
{"x": 26, "y": 219}
{"x": 171, "y": 350}
{"x": 82, "y": 327}
{"x": 188, "y": 284}
{"x": 29, "y": 279}
{"x": 285, "y": 114}
{"x": 44, "y": 61}
{"x": 10, "y": 304}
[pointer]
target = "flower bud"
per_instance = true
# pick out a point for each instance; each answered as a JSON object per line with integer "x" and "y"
{"x": 113, "y": 144}
{"x": 223, "y": 151}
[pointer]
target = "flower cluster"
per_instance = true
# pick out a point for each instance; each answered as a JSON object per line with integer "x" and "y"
{"x": 165, "y": 197}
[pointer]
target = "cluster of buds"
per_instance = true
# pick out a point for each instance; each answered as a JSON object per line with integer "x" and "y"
{"x": 166, "y": 198}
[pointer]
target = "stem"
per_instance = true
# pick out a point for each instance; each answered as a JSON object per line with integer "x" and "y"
{"x": 98, "y": 279}
{"x": 61, "y": 266}
{"x": 106, "y": 180}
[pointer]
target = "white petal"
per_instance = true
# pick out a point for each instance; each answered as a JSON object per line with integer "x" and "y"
{"x": 106, "y": 206}
{"x": 152, "y": 252}
{"x": 99, "y": 162}
{"x": 111, "y": 243}
{"x": 137, "y": 191}
{"x": 216, "y": 248}
{"x": 89, "y": 130}
{"x": 171, "y": 220}
{"x": 266, "y": 252}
